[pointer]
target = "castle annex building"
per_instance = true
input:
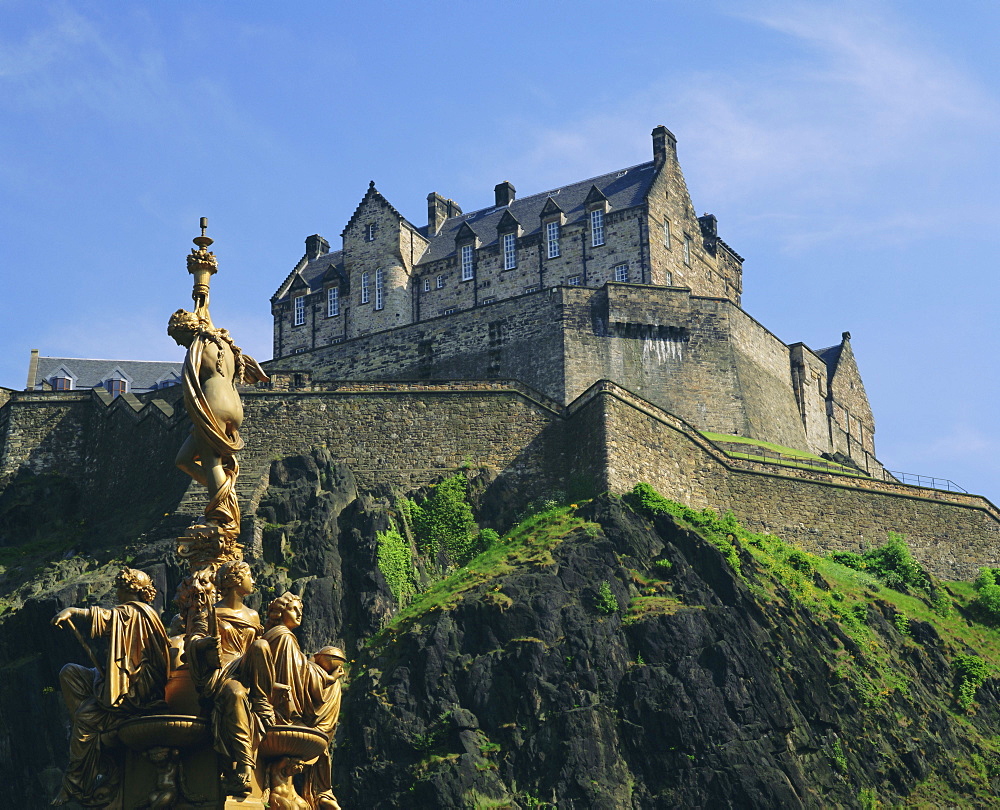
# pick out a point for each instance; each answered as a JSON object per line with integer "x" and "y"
{"x": 611, "y": 278}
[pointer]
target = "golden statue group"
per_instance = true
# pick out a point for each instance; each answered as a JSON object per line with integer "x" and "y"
{"x": 216, "y": 707}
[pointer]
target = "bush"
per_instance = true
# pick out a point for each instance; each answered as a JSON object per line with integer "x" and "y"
{"x": 987, "y": 602}
{"x": 971, "y": 671}
{"x": 892, "y": 564}
{"x": 606, "y": 602}
{"x": 395, "y": 561}
{"x": 445, "y": 521}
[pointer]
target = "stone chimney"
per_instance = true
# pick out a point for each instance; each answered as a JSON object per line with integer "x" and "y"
{"x": 438, "y": 210}
{"x": 32, "y": 370}
{"x": 664, "y": 147}
{"x": 316, "y": 246}
{"x": 504, "y": 193}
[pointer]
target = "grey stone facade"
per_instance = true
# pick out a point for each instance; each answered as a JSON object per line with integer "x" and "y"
{"x": 637, "y": 289}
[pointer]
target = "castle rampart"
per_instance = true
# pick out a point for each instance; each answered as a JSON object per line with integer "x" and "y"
{"x": 405, "y": 435}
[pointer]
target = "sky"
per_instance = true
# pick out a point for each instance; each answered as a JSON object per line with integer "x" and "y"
{"x": 847, "y": 148}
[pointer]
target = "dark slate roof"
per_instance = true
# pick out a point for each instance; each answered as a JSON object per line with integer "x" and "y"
{"x": 88, "y": 373}
{"x": 624, "y": 188}
{"x": 313, "y": 272}
{"x": 830, "y": 356}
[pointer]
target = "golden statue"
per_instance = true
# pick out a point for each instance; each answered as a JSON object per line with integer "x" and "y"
{"x": 306, "y": 692}
{"x": 131, "y": 683}
{"x": 213, "y": 368}
{"x": 232, "y": 671}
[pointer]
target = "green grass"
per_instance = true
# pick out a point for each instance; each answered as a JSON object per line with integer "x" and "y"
{"x": 528, "y": 543}
{"x": 777, "y": 448}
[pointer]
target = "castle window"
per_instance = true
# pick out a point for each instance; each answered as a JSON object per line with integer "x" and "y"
{"x": 449, "y": 311}
{"x": 621, "y": 272}
{"x": 669, "y": 279}
{"x": 364, "y": 287}
{"x": 440, "y": 282}
{"x": 509, "y": 251}
{"x": 427, "y": 285}
{"x": 573, "y": 281}
{"x": 62, "y": 384}
{"x": 370, "y": 232}
{"x": 552, "y": 239}
{"x": 332, "y": 302}
{"x": 666, "y": 234}
{"x": 687, "y": 250}
{"x": 299, "y": 310}
{"x": 468, "y": 270}
{"x": 116, "y": 387}
{"x": 531, "y": 289}
{"x": 379, "y": 289}
{"x": 596, "y": 227}
{"x": 301, "y": 350}
{"x": 488, "y": 300}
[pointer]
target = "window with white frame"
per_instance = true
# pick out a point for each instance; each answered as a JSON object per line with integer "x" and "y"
{"x": 489, "y": 300}
{"x": 370, "y": 232}
{"x": 299, "y": 310}
{"x": 427, "y": 285}
{"x": 531, "y": 289}
{"x": 687, "y": 249}
{"x": 596, "y": 227}
{"x": 332, "y": 302}
{"x": 509, "y": 251}
{"x": 440, "y": 282}
{"x": 666, "y": 234}
{"x": 552, "y": 239}
{"x": 364, "y": 287}
{"x": 621, "y": 272}
{"x": 449, "y": 311}
{"x": 669, "y": 280}
{"x": 573, "y": 281}
{"x": 468, "y": 270}
{"x": 379, "y": 288}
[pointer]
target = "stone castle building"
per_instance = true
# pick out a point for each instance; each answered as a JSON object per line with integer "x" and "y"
{"x": 614, "y": 277}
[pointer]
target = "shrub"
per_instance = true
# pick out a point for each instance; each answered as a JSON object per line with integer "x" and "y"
{"x": 892, "y": 564}
{"x": 987, "y": 602}
{"x": 971, "y": 671}
{"x": 445, "y": 521}
{"x": 395, "y": 561}
{"x": 606, "y": 602}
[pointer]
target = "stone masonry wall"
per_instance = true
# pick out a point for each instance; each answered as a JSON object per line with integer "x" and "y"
{"x": 951, "y": 534}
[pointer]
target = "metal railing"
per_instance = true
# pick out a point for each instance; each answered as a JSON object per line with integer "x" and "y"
{"x": 928, "y": 481}
{"x": 770, "y": 457}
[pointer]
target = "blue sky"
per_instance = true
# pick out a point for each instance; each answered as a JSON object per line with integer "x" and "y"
{"x": 848, "y": 149}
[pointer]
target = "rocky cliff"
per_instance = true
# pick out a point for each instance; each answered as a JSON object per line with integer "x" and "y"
{"x": 614, "y": 653}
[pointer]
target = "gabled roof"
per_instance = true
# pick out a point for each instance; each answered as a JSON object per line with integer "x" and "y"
{"x": 624, "y": 188}
{"x": 89, "y": 373}
{"x": 312, "y": 275}
{"x": 374, "y": 194}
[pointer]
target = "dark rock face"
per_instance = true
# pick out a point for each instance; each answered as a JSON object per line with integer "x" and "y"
{"x": 526, "y": 693}
{"x": 727, "y": 701}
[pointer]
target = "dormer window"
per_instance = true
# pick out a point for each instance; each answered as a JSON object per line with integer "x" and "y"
{"x": 552, "y": 239}
{"x": 364, "y": 287}
{"x": 596, "y": 227}
{"x": 62, "y": 384}
{"x": 509, "y": 251}
{"x": 298, "y": 310}
{"x": 379, "y": 289}
{"x": 116, "y": 387}
{"x": 468, "y": 268}
{"x": 332, "y": 302}
{"x": 370, "y": 232}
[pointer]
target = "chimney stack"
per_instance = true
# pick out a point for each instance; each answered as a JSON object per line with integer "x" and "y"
{"x": 504, "y": 193}
{"x": 316, "y": 246}
{"x": 32, "y": 370}
{"x": 438, "y": 210}
{"x": 664, "y": 147}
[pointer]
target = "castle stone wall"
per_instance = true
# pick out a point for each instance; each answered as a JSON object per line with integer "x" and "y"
{"x": 952, "y": 534}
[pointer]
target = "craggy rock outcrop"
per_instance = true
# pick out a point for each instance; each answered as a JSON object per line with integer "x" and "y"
{"x": 521, "y": 692}
{"x": 524, "y": 693}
